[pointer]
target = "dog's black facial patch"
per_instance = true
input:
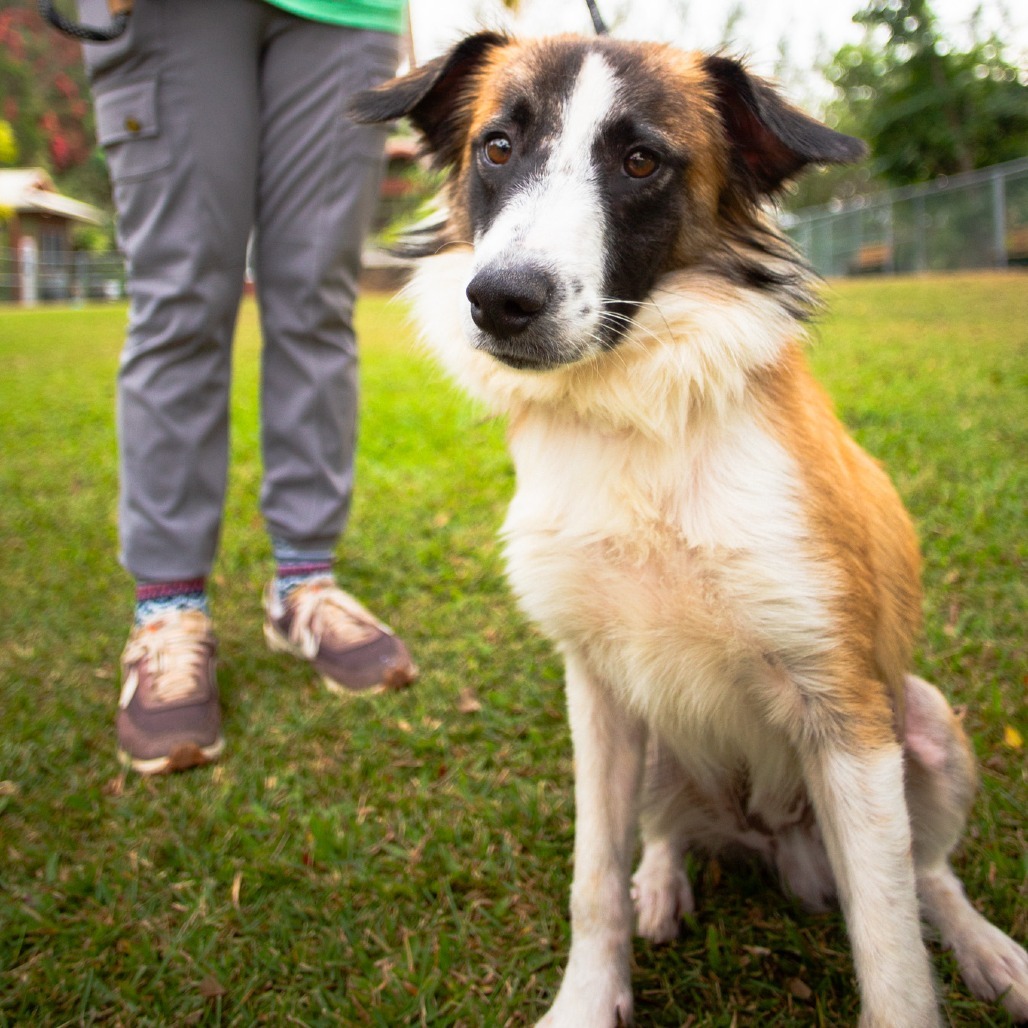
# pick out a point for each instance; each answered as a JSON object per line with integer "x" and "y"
{"x": 490, "y": 184}
{"x": 528, "y": 119}
{"x": 641, "y": 169}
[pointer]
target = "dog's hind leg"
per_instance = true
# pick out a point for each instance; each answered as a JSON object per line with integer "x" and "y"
{"x": 940, "y": 784}
{"x": 609, "y": 745}
{"x": 660, "y": 886}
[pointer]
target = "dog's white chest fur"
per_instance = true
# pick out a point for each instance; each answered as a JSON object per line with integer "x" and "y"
{"x": 615, "y": 543}
{"x": 679, "y": 573}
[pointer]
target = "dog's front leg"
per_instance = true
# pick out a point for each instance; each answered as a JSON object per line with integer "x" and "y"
{"x": 861, "y": 808}
{"x": 609, "y": 747}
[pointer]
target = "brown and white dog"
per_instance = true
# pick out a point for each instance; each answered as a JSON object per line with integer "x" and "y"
{"x": 733, "y": 583}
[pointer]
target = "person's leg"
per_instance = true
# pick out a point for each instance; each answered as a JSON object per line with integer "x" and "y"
{"x": 176, "y": 103}
{"x": 318, "y": 185}
{"x": 177, "y": 112}
{"x": 319, "y": 176}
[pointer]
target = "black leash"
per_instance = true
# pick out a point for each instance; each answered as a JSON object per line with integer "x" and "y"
{"x": 85, "y": 33}
{"x": 598, "y": 23}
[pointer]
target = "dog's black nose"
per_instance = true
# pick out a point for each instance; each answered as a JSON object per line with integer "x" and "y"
{"x": 505, "y": 301}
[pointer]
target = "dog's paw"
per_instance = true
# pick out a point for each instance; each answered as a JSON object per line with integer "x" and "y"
{"x": 662, "y": 895}
{"x": 597, "y": 1009}
{"x": 995, "y": 967}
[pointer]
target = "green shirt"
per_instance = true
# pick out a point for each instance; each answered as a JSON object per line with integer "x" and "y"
{"x": 380, "y": 15}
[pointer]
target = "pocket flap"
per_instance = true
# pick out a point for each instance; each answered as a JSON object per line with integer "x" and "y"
{"x": 128, "y": 112}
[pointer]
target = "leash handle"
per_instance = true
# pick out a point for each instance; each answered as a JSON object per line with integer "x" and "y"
{"x": 85, "y": 33}
{"x": 598, "y": 23}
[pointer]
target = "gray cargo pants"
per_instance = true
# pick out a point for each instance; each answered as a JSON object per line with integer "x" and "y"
{"x": 217, "y": 118}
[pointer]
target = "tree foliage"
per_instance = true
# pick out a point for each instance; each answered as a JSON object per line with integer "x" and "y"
{"x": 44, "y": 97}
{"x": 925, "y": 108}
{"x": 8, "y": 145}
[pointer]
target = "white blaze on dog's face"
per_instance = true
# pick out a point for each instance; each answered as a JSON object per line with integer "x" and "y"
{"x": 581, "y": 170}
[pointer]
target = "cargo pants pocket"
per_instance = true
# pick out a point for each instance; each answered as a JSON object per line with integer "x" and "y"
{"x": 128, "y": 129}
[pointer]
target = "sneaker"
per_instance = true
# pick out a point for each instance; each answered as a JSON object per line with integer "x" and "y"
{"x": 168, "y": 714}
{"x": 350, "y": 649}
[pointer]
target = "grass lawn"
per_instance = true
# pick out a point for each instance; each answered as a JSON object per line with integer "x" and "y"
{"x": 406, "y": 860}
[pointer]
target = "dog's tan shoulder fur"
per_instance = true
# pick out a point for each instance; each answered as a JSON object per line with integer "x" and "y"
{"x": 857, "y": 522}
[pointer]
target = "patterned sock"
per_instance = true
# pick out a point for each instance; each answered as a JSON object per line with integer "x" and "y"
{"x": 154, "y": 599}
{"x": 291, "y": 573}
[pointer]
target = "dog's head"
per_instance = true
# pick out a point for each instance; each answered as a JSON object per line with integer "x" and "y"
{"x": 581, "y": 170}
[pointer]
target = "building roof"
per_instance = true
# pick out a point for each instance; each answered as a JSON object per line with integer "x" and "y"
{"x": 32, "y": 191}
{"x": 404, "y": 148}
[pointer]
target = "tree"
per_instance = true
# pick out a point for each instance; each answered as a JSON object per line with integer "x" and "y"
{"x": 925, "y": 108}
{"x": 45, "y": 100}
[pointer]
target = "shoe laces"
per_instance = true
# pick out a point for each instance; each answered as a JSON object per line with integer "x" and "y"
{"x": 176, "y": 653}
{"x": 324, "y": 611}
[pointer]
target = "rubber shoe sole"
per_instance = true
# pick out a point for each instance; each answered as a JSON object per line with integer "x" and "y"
{"x": 181, "y": 758}
{"x": 396, "y": 680}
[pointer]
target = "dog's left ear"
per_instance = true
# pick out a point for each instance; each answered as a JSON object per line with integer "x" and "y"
{"x": 773, "y": 141}
{"x": 435, "y": 97}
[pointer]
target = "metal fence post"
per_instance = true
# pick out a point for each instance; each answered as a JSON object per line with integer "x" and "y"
{"x": 999, "y": 220}
{"x": 28, "y": 271}
{"x": 920, "y": 234}
{"x": 890, "y": 237}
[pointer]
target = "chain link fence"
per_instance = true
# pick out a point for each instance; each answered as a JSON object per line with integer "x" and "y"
{"x": 28, "y": 277}
{"x": 977, "y": 220}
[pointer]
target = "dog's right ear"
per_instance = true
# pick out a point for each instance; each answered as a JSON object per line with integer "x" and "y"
{"x": 435, "y": 97}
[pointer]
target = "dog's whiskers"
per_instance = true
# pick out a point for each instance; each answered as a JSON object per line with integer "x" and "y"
{"x": 623, "y": 321}
{"x": 628, "y": 320}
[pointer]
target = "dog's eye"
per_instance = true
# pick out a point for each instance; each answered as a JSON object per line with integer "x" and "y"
{"x": 497, "y": 148}
{"x": 640, "y": 164}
